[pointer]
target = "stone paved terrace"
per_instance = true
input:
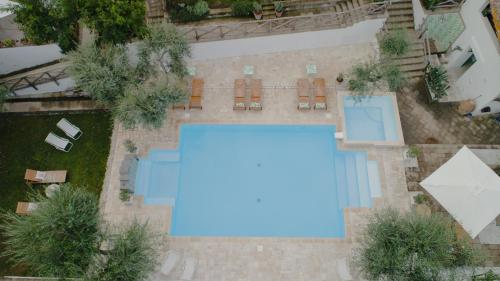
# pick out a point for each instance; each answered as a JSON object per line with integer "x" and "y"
{"x": 236, "y": 259}
{"x": 421, "y": 121}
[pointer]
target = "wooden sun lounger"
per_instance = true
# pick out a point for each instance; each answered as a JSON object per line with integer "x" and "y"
{"x": 25, "y": 208}
{"x": 240, "y": 97}
{"x": 34, "y": 176}
{"x": 196, "y": 93}
{"x": 303, "y": 87}
{"x": 256, "y": 94}
{"x": 319, "y": 94}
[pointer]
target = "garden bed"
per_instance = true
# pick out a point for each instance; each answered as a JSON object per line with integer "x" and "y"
{"x": 22, "y": 146}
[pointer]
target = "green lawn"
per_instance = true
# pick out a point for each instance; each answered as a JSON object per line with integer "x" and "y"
{"x": 22, "y": 146}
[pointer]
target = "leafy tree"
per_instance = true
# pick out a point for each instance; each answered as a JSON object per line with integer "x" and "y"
{"x": 131, "y": 258}
{"x": 59, "y": 238}
{"x": 412, "y": 247}
{"x": 166, "y": 47}
{"x": 146, "y": 104}
{"x": 48, "y": 21}
{"x": 115, "y": 21}
{"x": 103, "y": 73}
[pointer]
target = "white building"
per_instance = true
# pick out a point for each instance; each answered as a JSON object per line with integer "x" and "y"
{"x": 473, "y": 54}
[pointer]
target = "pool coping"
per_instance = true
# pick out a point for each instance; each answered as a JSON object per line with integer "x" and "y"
{"x": 341, "y": 119}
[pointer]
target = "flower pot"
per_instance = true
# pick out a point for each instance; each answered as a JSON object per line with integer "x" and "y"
{"x": 257, "y": 16}
{"x": 278, "y": 14}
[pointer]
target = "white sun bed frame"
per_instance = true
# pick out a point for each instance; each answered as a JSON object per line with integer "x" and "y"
{"x": 69, "y": 129}
{"x": 58, "y": 142}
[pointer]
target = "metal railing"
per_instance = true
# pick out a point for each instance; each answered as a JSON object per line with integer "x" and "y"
{"x": 34, "y": 79}
{"x": 448, "y": 4}
{"x": 282, "y": 25}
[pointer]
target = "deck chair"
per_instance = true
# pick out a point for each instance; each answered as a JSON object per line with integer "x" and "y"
{"x": 303, "y": 87}
{"x": 256, "y": 94}
{"x": 189, "y": 269}
{"x": 58, "y": 142}
{"x": 34, "y": 176}
{"x": 196, "y": 93}
{"x": 169, "y": 263}
{"x": 25, "y": 208}
{"x": 240, "y": 97}
{"x": 69, "y": 129}
{"x": 319, "y": 94}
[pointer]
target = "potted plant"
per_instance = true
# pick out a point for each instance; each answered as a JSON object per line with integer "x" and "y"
{"x": 340, "y": 78}
{"x": 279, "y": 9}
{"x": 257, "y": 10}
{"x": 436, "y": 81}
{"x": 410, "y": 156}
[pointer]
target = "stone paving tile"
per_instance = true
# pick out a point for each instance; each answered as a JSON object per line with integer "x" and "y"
{"x": 232, "y": 258}
{"x": 421, "y": 121}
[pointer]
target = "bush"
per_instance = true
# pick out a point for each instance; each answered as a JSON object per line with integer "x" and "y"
{"x": 431, "y": 4}
{"x": 9, "y": 43}
{"x": 364, "y": 78}
{"x": 395, "y": 43}
{"x": 412, "y": 247}
{"x": 436, "y": 78}
{"x": 4, "y": 93}
{"x": 186, "y": 13}
{"x": 242, "y": 8}
{"x": 257, "y": 7}
{"x": 394, "y": 77}
{"x": 279, "y": 7}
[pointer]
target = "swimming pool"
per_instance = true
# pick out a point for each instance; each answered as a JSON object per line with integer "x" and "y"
{"x": 371, "y": 119}
{"x": 256, "y": 180}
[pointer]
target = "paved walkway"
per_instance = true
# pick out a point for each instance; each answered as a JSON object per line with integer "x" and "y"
{"x": 440, "y": 121}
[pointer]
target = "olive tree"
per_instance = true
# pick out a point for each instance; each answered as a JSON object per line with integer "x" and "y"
{"x": 412, "y": 247}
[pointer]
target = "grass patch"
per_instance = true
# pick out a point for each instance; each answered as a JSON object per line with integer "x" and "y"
{"x": 22, "y": 146}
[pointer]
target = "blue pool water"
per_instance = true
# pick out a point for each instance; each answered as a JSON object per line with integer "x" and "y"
{"x": 370, "y": 119}
{"x": 256, "y": 180}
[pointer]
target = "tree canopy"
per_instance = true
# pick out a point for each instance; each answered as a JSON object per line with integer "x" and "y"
{"x": 58, "y": 20}
{"x": 412, "y": 247}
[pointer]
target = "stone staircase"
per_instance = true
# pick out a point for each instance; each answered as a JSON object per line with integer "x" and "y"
{"x": 155, "y": 9}
{"x": 401, "y": 16}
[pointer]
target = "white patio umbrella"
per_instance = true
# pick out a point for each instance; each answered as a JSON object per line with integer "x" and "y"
{"x": 468, "y": 189}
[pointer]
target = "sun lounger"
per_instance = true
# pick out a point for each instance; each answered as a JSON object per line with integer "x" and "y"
{"x": 319, "y": 94}
{"x": 169, "y": 263}
{"x": 343, "y": 270}
{"x": 69, "y": 129}
{"x": 303, "y": 87}
{"x": 240, "y": 97}
{"x": 256, "y": 94}
{"x": 189, "y": 269}
{"x": 58, "y": 142}
{"x": 34, "y": 176}
{"x": 196, "y": 93}
{"x": 25, "y": 208}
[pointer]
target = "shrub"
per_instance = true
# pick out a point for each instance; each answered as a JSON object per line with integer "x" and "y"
{"x": 257, "y": 7}
{"x": 436, "y": 78}
{"x": 431, "y": 4}
{"x": 412, "y": 247}
{"x": 279, "y": 7}
{"x": 394, "y": 77}
{"x": 242, "y": 8}
{"x": 186, "y": 13}
{"x": 130, "y": 146}
{"x": 9, "y": 43}
{"x": 364, "y": 78}
{"x": 395, "y": 43}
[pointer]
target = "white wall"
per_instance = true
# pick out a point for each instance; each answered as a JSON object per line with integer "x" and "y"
{"x": 482, "y": 80}
{"x": 418, "y": 13}
{"x": 14, "y": 59}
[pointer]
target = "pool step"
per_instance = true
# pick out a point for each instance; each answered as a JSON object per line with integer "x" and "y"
{"x": 353, "y": 185}
{"x": 142, "y": 176}
{"x": 164, "y": 156}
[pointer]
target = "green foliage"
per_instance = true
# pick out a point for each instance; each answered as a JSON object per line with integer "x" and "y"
{"x": 103, "y": 73}
{"x": 431, "y": 4}
{"x": 394, "y": 77}
{"x": 115, "y": 21}
{"x": 4, "y": 93}
{"x": 278, "y": 7}
{"x": 124, "y": 195}
{"x": 164, "y": 45}
{"x": 242, "y": 8}
{"x": 257, "y": 7}
{"x": 131, "y": 258}
{"x": 190, "y": 12}
{"x": 130, "y": 146}
{"x": 413, "y": 151}
{"x": 146, "y": 104}
{"x": 436, "y": 78}
{"x": 9, "y": 43}
{"x": 45, "y": 22}
{"x": 395, "y": 43}
{"x": 487, "y": 276}
{"x": 365, "y": 78}
{"x": 60, "y": 237}
{"x": 412, "y": 247}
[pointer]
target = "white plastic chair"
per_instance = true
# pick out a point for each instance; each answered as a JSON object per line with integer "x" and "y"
{"x": 69, "y": 129}
{"x": 189, "y": 269}
{"x": 58, "y": 142}
{"x": 169, "y": 263}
